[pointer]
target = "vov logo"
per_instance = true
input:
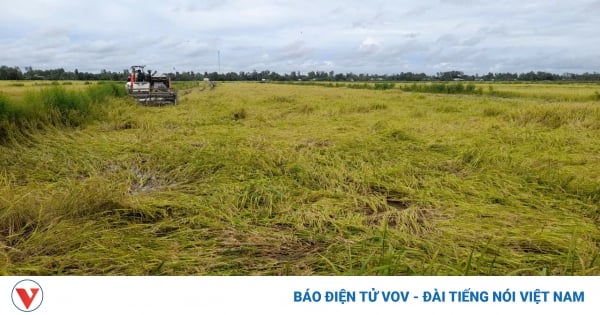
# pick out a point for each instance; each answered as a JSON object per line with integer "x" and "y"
{"x": 27, "y": 295}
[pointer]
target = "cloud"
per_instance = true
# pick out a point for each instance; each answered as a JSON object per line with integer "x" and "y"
{"x": 376, "y": 36}
{"x": 295, "y": 50}
{"x": 369, "y": 46}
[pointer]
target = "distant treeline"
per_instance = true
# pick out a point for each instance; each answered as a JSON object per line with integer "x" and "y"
{"x": 15, "y": 73}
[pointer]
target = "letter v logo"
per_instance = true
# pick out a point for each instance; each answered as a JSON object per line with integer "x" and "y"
{"x": 27, "y": 295}
{"x": 25, "y": 298}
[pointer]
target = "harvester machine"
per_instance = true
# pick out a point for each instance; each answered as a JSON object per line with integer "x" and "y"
{"x": 149, "y": 88}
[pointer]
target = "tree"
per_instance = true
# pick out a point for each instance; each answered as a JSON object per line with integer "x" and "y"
{"x": 10, "y": 73}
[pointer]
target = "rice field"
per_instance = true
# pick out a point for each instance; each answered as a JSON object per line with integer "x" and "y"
{"x": 272, "y": 179}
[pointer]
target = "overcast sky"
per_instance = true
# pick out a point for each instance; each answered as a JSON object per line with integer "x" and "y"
{"x": 475, "y": 36}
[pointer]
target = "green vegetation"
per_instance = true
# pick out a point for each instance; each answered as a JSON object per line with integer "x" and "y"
{"x": 358, "y": 86}
{"x": 268, "y": 179}
{"x": 542, "y": 91}
{"x": 51, "y": 107}
{"x": 443, "y": 88}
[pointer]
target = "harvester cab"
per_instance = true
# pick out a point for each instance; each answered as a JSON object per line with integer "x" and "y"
{"x": 149, "y": 88}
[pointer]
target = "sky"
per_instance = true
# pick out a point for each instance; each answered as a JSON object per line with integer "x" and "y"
{"x": 383, "y": 37}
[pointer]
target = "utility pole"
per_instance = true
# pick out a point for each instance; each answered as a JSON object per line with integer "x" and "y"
{"x": 219, "y": 60}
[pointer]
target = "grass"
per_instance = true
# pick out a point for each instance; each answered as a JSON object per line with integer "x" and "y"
{"x": 51, "y": 107}
{"x": 547, "y": 92}
{"x": 269, "y": 179}
{"x": 443, "y": 88}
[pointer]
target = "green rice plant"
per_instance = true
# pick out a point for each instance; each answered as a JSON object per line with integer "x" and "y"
{"x": 4, "y": 118}
{"x": 358, "y": 86}
{"x": 100, "y": 93}
{"x": 54, "y": 106}
{"x": 384, "y": 86}
{"x": 63, "y": 107}
{"x": 5, "y": 103}
{"x": 443, "y": 88}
